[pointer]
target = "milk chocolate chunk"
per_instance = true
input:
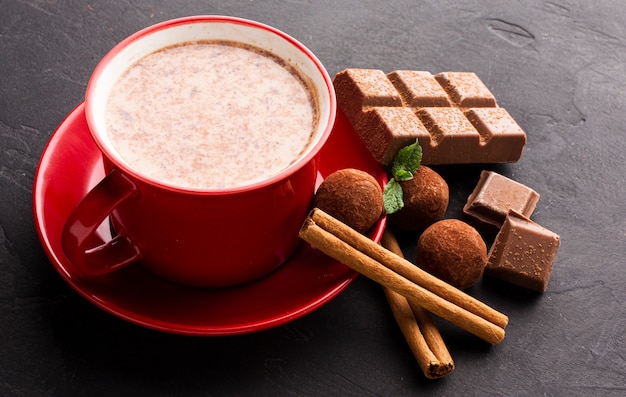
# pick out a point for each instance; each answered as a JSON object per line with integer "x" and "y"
{"x": 458, "y": 120}
{"x": 523, "y": 253}
{"x": 495, "y": 194}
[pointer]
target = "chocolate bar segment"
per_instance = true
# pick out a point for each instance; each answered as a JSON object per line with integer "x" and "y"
{"x": 451, "y": 134}
{"x": 523, "y": 253}
{"x": 466, "y": 89}
{"x": 461, "y": 116}
{"x": 495, "y": 194}
{"x": 497, "y": 128}
{"x": 360, "y": 89}
{"x": 389, "y": 129}
{"x": 419, "y": 89}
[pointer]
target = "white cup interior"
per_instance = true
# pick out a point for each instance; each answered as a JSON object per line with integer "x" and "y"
{"x": 203, "y": 29}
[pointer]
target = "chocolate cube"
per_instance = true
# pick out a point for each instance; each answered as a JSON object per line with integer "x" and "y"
{"x": 523, "y": 253}
{"x": 493, "y": 197}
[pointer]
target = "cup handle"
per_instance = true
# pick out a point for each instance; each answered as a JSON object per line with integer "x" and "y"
{"x": 79, "y": 232}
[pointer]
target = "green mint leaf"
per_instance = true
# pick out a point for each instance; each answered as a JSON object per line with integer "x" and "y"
{"x": 392, "y": 197}
{"x": 406, "y": 162}
{"x": 402, "y": 175}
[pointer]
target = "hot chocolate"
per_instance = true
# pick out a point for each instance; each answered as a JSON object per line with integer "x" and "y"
{"x": 211, "y": 115}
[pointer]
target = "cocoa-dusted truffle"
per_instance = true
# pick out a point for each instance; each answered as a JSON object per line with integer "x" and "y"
{"x": 453, "y": 251}
{"x": 351, "y": 196}
{"x": 426, "y": 199}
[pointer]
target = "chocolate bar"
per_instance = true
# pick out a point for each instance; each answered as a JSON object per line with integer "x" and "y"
{"x": 453, "y": 115}
{"x": 523, "y": 253}
{"x": 495, "y": 194}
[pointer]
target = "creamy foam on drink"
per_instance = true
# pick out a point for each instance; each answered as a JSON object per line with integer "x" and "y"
{"x": 211, "y": 115}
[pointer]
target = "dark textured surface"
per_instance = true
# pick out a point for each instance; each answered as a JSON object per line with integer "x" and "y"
{"x": 557, "y": 66}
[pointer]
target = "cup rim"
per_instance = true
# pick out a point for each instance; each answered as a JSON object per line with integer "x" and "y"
{"x": 310, "y": 155}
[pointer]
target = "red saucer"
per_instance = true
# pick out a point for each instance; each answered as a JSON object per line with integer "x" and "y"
{"x": 71, "y": 165}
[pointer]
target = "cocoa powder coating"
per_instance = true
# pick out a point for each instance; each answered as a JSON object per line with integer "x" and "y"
{"x": 426, "y": 198}
{"x": 352, "y": 196}
{"x": 453, "y": 251}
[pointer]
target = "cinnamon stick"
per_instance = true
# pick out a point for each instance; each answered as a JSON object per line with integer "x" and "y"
{"x": 418, "y": 328}
{"x": 351, "y": 250}
{"x": 407, "y": 269}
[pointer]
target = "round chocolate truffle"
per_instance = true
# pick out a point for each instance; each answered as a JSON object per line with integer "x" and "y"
{"x": 351, "y": 196}
{"x": 425, "y": 198}
{"x": 453, "y": 251}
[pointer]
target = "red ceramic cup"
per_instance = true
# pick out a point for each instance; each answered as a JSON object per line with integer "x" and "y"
{"x": 194, "y": 236}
